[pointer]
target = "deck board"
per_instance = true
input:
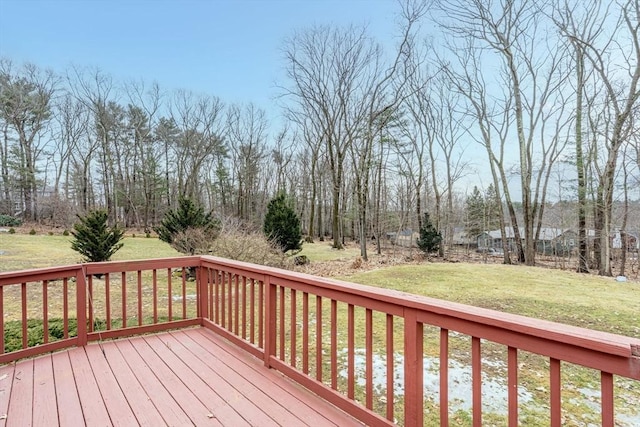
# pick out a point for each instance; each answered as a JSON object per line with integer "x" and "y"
{"x": 291, "y": 395}
{"x": 94, "y": 410}
{"x": 181, "y": 393}
{"x": 6, "y": 382}
{"x": 45, "y": 408}
{"x": 66, "y": 391}
{"x": 172, "y": 413}
{"x": 179, "y": 378}
{"x": 20, "y": 413}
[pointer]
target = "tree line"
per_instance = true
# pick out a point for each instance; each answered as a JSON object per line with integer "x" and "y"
{"x": 373, "y": 137}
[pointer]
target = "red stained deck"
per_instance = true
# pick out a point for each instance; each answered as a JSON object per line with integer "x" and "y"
{"x": 178, "y": 378}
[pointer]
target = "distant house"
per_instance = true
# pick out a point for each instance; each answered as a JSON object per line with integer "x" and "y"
{"x": 554, "y": 241}
{"x": 462, "y": 238}
{"x": 618, "y": 239}
{"x": 406, "y": 238}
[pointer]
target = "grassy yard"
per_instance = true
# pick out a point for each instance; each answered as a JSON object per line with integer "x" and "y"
{"x": 582, "y": 300}
{"x": 23, "y": 251}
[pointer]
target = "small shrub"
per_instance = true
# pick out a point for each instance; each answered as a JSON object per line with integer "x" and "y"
{"x": 190, "y": 223}
{"x": 32, "y": 232}
{"x": 147, "y": 235}
{"x": 12, "y": 230}
{"x": 282, "y": 225}
{"x": 51, "y": 233}
{"x": 9, "y": 221}
{"x": 65, "y": 233}
{"x": 133, "y": 235}
{"x": 94, "y": 239}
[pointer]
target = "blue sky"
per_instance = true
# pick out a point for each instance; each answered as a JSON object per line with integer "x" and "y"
{"x": 231, "y": 49}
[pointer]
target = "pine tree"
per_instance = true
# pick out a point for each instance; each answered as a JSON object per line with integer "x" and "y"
{"x": 475, "y": 207}
{"x": 94, "y": 239}
{"x": 188, "y": 228}
{"x": 430, "y": 238}
{"x": 282, "y": 225}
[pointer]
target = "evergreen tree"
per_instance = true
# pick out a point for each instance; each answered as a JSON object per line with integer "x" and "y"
{"x": 282, "y": 225}
{"x": 188, "y": 228}
{"x": 94, "y": 239}
{"x": 475, "y": 207}
{"x": 430, "y": 238}
{"x": 492, "y": 208}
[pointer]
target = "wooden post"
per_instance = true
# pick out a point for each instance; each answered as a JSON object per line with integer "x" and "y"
{"x": 270, "y": 321}
{"x": 413, "y": 370}
{"x": 81, "y": 306}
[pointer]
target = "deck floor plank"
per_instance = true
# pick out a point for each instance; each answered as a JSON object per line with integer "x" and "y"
{"x": 143, "y": 408}
{"x": 119, "y": 410}
{"x": 20, "y": 407}
{"x": 286, "y": 409}
{"x": 253, "y": 404}
{"x": 172, "y": 413}
{"x": 179, "y": 378}
{"x": 45, "y": 408}
{"x": 181, "y": 391}
{"x": 70, "y": 410}
{"x": 93, "y": 406}
{"x": 213, "y": 399}
{"x": 6, "y": 383}
{"x": 315, "y": 411}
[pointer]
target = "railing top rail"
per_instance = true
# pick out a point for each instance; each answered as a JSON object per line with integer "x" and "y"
{"x": 12, "y": 277}
{"x": 144, "y": 264}
{"x": 604, "y": 342}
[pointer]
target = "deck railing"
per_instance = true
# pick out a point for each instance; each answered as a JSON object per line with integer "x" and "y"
{"x": 383, "y": 356}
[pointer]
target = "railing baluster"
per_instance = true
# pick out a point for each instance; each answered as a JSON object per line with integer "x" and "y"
{"x": 169, "y": 296}
{"x": 252, "y": 313}
{"x": 350, "y": 352}
{"x": 261, "y": 304}
{"x": 244, "y": 308}
{"x": 230, "y": 278}
{"x": 293, "y": 328}
{"x": 183, "y": 276}
{"x": 476, "y": 374}
{"x": 555, "y": 397}
{"x": 65, "y": 306}
{"x": 334, "y": 344}
{"x": 217, "y": 279}
{"x": 139, "y": 280}
{"x": 107, "y": 292}
{"x": 45, "y": 311}
{"x": 319, "y": 338}
{"x": 124, "y": 299}
{"x": 305, "y": 333}
{"x": 369, "y": 357}
{"x": 606, "y": 390}
{"x": 236, "y": 311}
{"x": 281, "y": 334}
{"x": 90, "y": 298}
{"x": 512, "y": 381}
{"x": 2, "y": 318}
{"x": 154, "y": 275}
{"x": 223, "y": 280}
{"x": 390, "y": 395}
{"x": 23, "y": 290}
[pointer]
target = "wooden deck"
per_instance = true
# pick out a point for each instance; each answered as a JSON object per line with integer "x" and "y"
{"x": 177, "y": 378}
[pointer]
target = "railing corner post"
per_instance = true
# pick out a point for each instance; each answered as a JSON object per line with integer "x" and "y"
{"x": 270, "y": 321}
{"x": 81, "y": 307}
{"x": 413, "y": 369}
{"x": 203, "y": 291}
